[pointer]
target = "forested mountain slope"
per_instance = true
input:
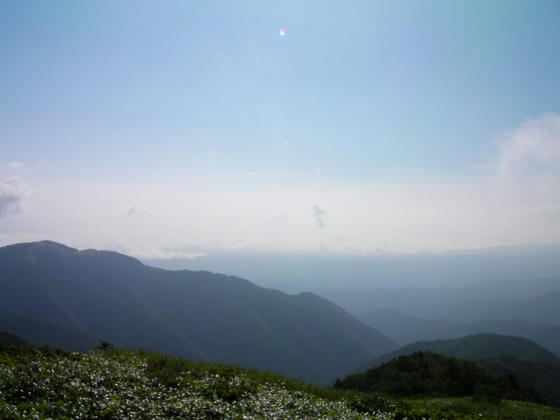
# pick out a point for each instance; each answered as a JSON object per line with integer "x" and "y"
{"x": 199, "y": 315}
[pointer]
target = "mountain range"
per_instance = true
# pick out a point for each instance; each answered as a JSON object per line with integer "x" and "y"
{"x": 193, "y": 314}
{"x": 474, "y": 347}
{"x": 405, "y": 328}
{"x": 531, "y": 300}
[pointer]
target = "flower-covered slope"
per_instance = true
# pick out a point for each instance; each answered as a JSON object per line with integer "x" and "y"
{"x": 39, "y": 383}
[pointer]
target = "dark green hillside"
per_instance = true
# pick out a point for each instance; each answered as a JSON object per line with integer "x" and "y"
{"x": 8, "y": 339}
{"x": 544, "y": 378}
{"x": 426, "y": 373}
{"x": 198, "y": 315}
{"x": 46, "y": 334}
{"x": 532, "y": 366}
{"x": 475, "y": 347}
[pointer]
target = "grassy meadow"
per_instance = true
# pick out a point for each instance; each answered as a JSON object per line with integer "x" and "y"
{"x": 41, "y": 383}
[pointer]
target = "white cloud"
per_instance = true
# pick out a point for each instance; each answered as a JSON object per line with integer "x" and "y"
{"x": 19, "y": 168}
{"x": 532, "y": 149}
{"x": 149, "y": 252}
{"x": 179, "y": 255}
{"x": 13, "y": 189}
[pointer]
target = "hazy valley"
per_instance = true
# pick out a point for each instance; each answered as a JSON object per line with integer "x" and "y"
{"x": 60, "y": 297}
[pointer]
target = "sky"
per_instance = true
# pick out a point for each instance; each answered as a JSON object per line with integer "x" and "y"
{"x": 180, "y": 129}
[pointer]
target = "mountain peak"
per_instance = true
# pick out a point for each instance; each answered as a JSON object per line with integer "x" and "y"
{"x": 45, "y": 244}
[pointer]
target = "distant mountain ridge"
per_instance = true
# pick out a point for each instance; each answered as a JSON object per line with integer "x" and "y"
{"x": 198, "y": 315}
{"x": 405, "y": 328}
{"x": 8, "y": 340}
{"x": 474, "y": 347}
{"x": 531, "y": 300}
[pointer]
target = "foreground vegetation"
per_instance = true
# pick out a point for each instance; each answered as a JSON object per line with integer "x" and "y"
{"x": 120, "y": 384}
{"x": 482, "y": 408}
{"x": 112, "y": 383}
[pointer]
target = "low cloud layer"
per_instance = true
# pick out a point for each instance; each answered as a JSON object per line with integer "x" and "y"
{"x": 190, "y": 219}
{"x": 181, "y": 223}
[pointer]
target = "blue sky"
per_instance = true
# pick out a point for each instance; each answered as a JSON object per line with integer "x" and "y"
{"x": 194, "y": 126}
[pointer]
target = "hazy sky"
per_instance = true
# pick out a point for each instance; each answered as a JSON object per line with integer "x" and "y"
{"x": 181, "y": 128}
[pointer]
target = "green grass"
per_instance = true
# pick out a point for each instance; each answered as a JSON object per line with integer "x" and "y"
{"x": 42, "y": 383}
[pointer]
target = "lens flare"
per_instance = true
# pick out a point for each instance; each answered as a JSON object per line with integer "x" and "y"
{"x": 282, "y": 32}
